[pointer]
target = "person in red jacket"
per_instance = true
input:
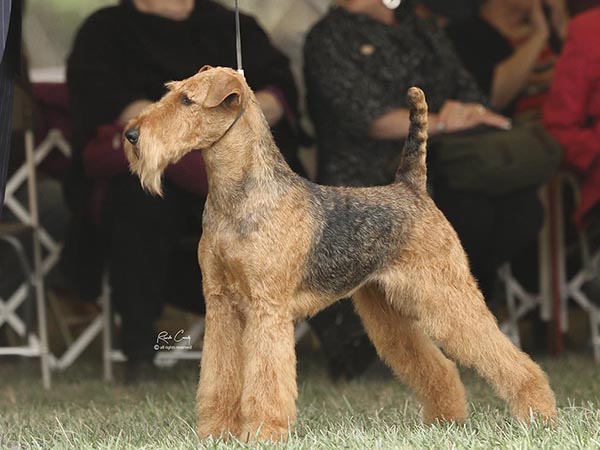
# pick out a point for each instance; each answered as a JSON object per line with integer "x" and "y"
{"x": 572, "y": 110}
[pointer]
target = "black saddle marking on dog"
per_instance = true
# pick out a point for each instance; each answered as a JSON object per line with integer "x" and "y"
{"x": 355, "y": 238}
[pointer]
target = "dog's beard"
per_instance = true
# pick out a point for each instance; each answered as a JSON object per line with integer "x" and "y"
{"x": 151, "y": 180}
{"x": 148, "y": 166}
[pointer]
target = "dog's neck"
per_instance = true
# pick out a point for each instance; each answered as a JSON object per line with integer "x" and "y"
{"x": 245, "y": 163}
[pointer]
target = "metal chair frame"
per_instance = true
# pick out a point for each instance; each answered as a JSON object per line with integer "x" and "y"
{"x": 37, "y": 345}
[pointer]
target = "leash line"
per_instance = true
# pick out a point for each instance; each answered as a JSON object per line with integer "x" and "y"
{"x": 238, "y": 39}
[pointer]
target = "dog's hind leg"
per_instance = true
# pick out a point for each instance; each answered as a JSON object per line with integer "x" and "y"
{"x": 412, "y": 356}
{"x": 452, "y": 312}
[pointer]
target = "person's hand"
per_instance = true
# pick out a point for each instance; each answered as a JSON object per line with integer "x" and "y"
{"x": 457, "y": 116}
{"x": 539, "y": 23}
{"x": 133, "y": 110}
{"x": 270, "y": 105}
{"x": 559, "y": 15}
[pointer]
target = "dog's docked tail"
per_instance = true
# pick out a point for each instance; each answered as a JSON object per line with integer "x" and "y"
{"x": 413, "y": 167}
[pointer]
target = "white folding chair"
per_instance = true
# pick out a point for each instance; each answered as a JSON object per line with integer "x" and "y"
{"x": 589, "y": 269}
{"x": 48, "y": 248}
{"x": 36, "y": 343}
{"x": 519, "y": 301}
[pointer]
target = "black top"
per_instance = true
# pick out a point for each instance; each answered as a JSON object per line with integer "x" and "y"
{"x": 481, "y": 48}
{"x": 121, "y": 54}
{"x": 356, "y": 70}
{"x": 10, "y": 36}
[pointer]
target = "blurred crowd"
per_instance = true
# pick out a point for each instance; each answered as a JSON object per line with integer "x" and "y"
{"x": 487, "y": 68}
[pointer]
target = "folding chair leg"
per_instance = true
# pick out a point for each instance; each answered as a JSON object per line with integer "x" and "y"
{"x": 595, "y": 332}
{"x": 37, "y": 259}
{"x": 511, "y": 327}
{"x": 63, "y": 328}
{"x": 43, "y": 332}
{"x": 107, "y": 331}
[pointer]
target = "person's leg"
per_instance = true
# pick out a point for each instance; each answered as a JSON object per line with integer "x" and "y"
{"x": 142, "y": 232}
{"x": 6, "y": 101}
{"x": 185, "y": 278}
{"x": 344, "y": 341}
{"x": 473, "y": 216}
{"x": 519, "y": 218}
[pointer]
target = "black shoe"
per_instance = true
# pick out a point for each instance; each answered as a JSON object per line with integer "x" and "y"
{"x": 139, "y": 371}
{"x": 344, "y": 341}
{"x": 358, "y": 355}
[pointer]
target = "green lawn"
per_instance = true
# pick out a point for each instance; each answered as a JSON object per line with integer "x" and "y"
{"x": 82, "y": 412}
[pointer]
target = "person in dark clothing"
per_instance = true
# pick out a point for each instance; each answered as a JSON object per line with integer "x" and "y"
{"x": 121, "y": 59}
{"x": 510, "y": 48}
{"x": 358, "y": 70}
{"x": 360, "y": 60}
{"x": 10, "y": 63}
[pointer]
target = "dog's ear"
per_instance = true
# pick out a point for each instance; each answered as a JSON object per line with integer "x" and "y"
{"x": 205, "y": 68}
{"x": 225, "y": 87}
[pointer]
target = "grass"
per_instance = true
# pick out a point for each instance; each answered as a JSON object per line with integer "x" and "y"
{"x": 82, "y": 412}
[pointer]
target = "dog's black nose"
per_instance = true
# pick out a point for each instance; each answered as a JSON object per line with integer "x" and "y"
{"x": 132, "y": 135}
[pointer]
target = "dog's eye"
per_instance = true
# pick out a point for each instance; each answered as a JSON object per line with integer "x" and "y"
{"x": 185, "y": 100}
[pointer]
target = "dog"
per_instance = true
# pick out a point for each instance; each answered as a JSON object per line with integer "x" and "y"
{"x": 276, "y": 248}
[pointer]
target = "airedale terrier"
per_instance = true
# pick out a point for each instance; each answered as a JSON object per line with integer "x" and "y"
{"x": 276, "y": 248}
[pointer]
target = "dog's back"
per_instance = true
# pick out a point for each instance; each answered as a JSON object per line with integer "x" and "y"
{"x": 360, "y": 229}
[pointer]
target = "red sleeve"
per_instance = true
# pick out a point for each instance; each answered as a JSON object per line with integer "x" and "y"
{"x": 103, "y": 157}
{"x": 565, "y": 113}
{"x": 189, "y": 173}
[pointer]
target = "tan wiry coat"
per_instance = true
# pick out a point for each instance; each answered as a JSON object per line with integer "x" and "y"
{"x": 276, "y": 248}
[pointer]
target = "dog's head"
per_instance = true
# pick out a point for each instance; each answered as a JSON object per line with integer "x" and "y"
{"x": 193, "y": 115}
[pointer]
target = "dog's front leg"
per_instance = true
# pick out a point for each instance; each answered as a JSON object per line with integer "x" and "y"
{"x": 270, "y": 391}
{"x": 220, "y": 388}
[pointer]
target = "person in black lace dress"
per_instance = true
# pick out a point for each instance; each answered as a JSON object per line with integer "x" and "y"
{"x": 360, "y": 60}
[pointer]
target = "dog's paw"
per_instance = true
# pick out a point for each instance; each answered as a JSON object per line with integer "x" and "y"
{"x": 263, "y": 432}
{"x": 534, "y": 400}
{"x": 215, "y": 431}
{"x": 445, "y": 413}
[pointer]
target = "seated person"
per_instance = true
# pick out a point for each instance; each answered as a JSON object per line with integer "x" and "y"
{"x": 510, "y": 48}
{"x": 360, "y": 60}
{"x": 121, "y": 59}
{"x": 572, "y": 110}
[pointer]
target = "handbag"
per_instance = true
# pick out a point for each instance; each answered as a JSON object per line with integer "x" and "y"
{"x": 495, "y": 162}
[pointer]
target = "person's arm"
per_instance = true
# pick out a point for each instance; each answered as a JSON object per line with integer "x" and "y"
{"x": 338, "y": 83}
{"x": 454, "y": 116}
{"x": 98, "y": 91}
{"x": 559, "y": 16}
{"x": 511, "y": 75}
{"x": 133, "y": 110}
{"x": 565, "y": 113}
{"x": 394, "y": 125}
{"x": 269, "y": 74}
{"x": 271, "y": 105}
{"x": 466, "y": 112}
